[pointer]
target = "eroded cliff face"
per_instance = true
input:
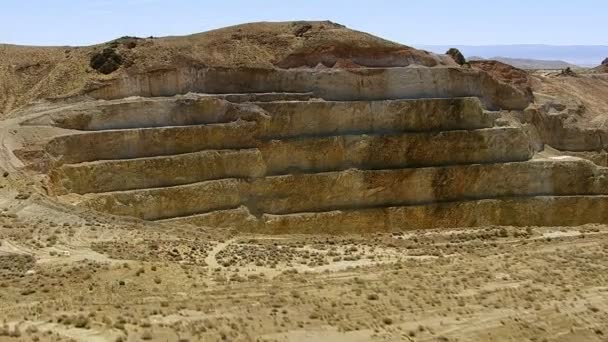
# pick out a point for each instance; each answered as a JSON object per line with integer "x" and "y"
{"x": 570, "y": 112}
{"x": 567, "y": 111}
{"x": 331, "y": 84}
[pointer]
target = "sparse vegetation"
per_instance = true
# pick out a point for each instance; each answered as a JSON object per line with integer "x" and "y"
{"x": 106, "y": 61}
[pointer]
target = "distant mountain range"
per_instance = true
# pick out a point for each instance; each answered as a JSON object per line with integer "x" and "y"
{"x": 524, "y": 63}
{"x": 581, "y": 55}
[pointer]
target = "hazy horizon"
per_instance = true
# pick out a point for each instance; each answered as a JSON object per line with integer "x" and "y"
{"x": 474, "y": 22}
{"x": 581, "y": 55}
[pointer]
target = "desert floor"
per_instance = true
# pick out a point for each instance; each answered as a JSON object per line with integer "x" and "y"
{"x": 68, "y": 275}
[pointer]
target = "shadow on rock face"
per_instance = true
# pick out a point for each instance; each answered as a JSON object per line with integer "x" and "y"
{"x": 106, "y": 62}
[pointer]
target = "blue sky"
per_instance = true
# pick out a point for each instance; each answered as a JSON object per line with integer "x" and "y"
{"x": 475, "y": 22}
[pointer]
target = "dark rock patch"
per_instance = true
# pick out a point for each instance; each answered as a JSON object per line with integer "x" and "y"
{"x": 107, "y": 61}
{"x": 302, "y": 29}
{"x": 567, "y": 72}
{"x": 127, "y": 42}
{"x": 456, "y": 55}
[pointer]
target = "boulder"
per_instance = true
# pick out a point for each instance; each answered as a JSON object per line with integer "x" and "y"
{"x": 456, "y": 55}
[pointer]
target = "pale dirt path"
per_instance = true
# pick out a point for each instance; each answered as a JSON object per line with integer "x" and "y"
{"x": 9, "y": 247}
{"x": 76, "y": 334}
{"x": 211, "y": 260}
{"x": 327, "y": 335}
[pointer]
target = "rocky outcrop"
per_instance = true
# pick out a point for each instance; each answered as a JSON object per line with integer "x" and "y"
{"x": 457, "y": 56}
{"x": 560, "y": 127}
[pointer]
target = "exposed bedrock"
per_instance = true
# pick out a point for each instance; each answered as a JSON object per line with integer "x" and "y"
{"x": 518, "y": 211}
{"x": 312, "y": 154}
{"x": 529, "y": 211}
{"x": 164, "y": 127}
{"x": 294, "y": 114}
{"x": 309, "y": 165}
{"x": 329, "y": 84}
{"x": 354, "y": 189}
{"x": 556, "y": 130}
{"x": 148, "y": 142}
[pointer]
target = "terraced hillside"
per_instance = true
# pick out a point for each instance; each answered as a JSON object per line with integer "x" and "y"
{"x": 291, "y": 163}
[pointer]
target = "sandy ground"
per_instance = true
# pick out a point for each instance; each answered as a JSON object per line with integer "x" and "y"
{"x": 68, "y": 276}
